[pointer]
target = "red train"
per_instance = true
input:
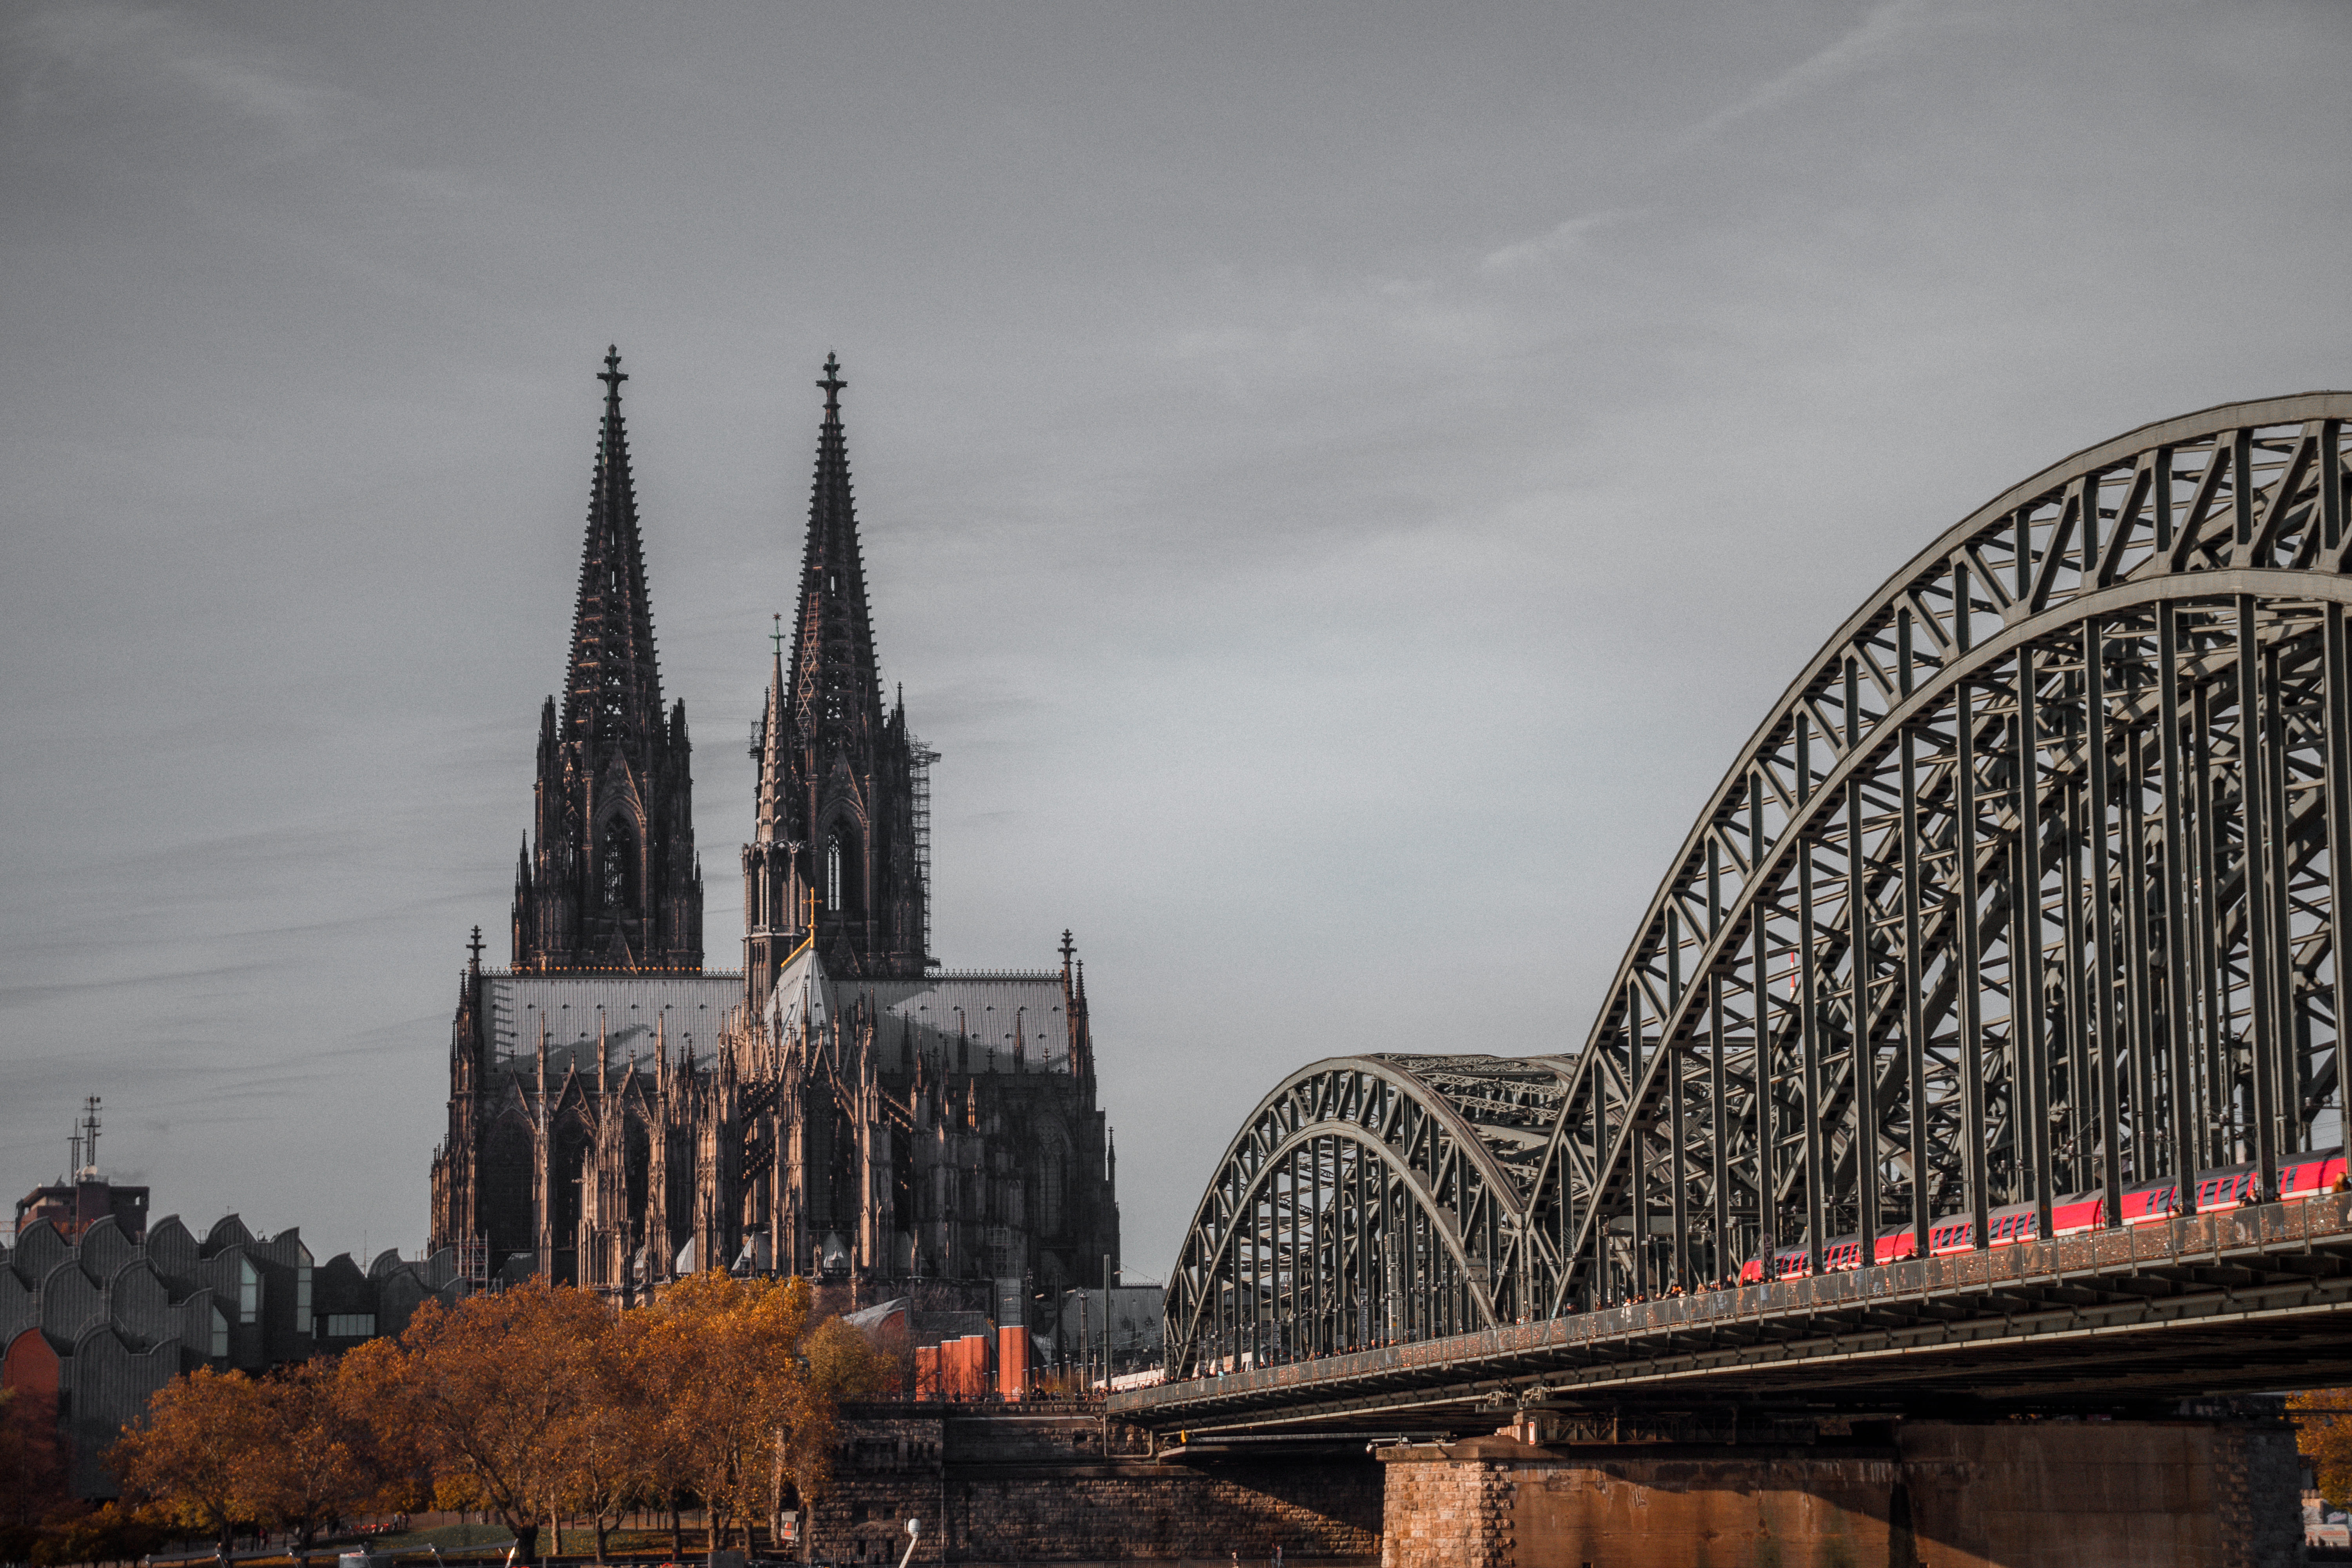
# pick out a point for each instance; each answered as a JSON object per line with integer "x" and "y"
{"x": 2302, "y": 1177}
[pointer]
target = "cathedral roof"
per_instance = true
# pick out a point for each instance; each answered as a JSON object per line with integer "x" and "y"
{"x": 688, "y": 1009}
{"x": 994, "y": 1011}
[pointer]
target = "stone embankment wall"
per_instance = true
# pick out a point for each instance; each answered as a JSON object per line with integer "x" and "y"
{"x": 1006, "y": 1486}
{"x": 2022, "y": 1494}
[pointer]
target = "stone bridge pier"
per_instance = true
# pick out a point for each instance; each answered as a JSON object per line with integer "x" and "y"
{"x": 2213, "y": 1491}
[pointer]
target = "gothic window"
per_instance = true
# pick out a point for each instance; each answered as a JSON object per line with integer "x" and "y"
{"x": 505, "y": 1179}
{"x": 248, "y": 1291}
{"x": 570, "y": 1177}
{"x": 838, "y": 881}
{"x": 616, "y": 870}
{"x": 637, "y": 1163}
{"x": 1052, "y": 1193}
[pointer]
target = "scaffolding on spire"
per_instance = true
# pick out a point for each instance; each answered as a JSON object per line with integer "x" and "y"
{"x": 920, "y": 759}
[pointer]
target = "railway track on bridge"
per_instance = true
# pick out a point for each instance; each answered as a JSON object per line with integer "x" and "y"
{"x": 2249, "y": 1299}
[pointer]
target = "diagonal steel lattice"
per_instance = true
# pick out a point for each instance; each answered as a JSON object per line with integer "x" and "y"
{"x": 2024, "y": 891}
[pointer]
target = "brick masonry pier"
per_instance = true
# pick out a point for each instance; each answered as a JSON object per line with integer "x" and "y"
{"x": 2212, "y": 1494}
{"x": 1015, "y": 1485}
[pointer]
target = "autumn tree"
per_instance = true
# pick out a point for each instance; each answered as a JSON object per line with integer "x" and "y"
{"x": 2322, "y": 1421}
{"x": 842, "y": 1364}
{"x": 310, "y": 1465}
{"x": 612, "y": 1441}
{"x": 748, "y": 1386}
{"x": 191, "y": 1457}
{"x": 489, "y": 1387}
{"x": 371, "y": 1393}
{"x": 727, "y": 1350}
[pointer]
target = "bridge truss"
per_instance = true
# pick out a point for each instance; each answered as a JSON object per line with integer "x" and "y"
{"x": 2024, "y": 889}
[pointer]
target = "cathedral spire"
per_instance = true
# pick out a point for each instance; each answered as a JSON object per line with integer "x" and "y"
{"x": 609, "y": 878}
{"x": 613, "y": 685}
{"x": 836, "y": 685}
{"x": 834, "y": 807}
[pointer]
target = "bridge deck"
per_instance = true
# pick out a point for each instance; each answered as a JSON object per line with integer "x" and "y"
{"x": 2257, "y": 1298}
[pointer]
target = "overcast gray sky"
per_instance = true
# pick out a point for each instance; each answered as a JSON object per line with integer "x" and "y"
{"x": 1339, "y": 481}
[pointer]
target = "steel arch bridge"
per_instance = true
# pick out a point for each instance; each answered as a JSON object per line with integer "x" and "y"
{"x": 2024, "y": 889}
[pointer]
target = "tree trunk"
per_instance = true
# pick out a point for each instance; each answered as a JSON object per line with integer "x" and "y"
{"x": 600, "y": 1539}
{"x": 677, "y": 1532}
{"x": 526, "y": 1542}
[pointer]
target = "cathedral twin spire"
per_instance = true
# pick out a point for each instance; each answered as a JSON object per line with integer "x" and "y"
{"x": 837, "y": 694}
{"x": 608, "y": 877}
{"x": 832, "y": 856}
{"x": 614, "y": 682}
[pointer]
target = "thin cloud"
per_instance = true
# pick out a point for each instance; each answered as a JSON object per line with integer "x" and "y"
{"x": 1559, "y": 243}
{"x": 1876, "y": 37}
{"x": 162, "y": 45}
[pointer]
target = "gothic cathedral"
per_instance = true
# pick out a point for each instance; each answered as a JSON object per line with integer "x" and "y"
{"x": 844, "y": 1108}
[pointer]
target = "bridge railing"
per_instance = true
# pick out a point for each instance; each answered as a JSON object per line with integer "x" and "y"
{"x": 2188, "y": 1242}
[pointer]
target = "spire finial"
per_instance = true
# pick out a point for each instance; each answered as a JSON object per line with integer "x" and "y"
{"x": 832, "y": 384}
{"x": 613, "y": 375}
{"x": 777, "y": 636}
{"x": 475, "y": 947}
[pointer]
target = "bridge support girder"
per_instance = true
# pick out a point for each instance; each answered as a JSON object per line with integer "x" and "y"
{"x": 2218, "y": 1488}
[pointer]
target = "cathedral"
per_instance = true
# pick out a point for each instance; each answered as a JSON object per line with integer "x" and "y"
{"x": 844, "y": 1108}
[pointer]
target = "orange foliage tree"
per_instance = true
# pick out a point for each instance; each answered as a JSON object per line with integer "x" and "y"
{"x": 311, "y": 1464}
{"x": 748, "y": 1388}
{"x": 524, "y": 1404}
{"x": 489, "y": 1388}
{"x": 370, "y": 1387}
{"x": 610, "y": 1445}
{"x": 191, "y": 1457}
{"x": 842, "y": 1364}
{"x": 2323, "y": 1422}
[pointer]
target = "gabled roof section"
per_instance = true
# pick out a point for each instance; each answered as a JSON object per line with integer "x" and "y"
{"x": 803, "y": 991}
{"x": 614, "y": 686}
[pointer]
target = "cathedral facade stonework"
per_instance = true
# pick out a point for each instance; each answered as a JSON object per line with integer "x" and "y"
{"x": 844, "y": 1108}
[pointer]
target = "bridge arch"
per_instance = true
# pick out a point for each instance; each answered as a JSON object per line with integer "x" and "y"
{"x": 2023, "y": 889}
{"x": 1368, "y": 1200}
